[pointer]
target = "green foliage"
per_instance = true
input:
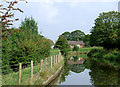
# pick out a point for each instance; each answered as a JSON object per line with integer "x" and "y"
{"x": 63, "y": 45}
{"x": 110, "y": 57}
{"x": 106, "y": 31}
{"x": 76, "y": 35}
{"x": 102, "y": 74}
{"x": 75, "y": 58}
{"x": 87, "y": 40}
{"x": 24, "y": 46}
{"x": 75, "y": 48}
{"x": 67, "y": 35}
{"x": 29, "y": 24}
{"x": 51, "y": 42}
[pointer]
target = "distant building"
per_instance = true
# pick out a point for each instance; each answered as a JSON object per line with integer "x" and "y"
{"x": 119, "y": 6}
{"x": 80, "y": 44}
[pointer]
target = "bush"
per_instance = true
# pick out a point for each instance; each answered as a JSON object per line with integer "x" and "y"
{"x": 24, "y": 46}
{"x": 110, "y": 57}
{"x": 106, "y": 32}
{"x": 63, "y": 45}
{"x": 75, "y": 48}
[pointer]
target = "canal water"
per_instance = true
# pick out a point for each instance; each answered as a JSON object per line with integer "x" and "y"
{"x": 86, "y": 72}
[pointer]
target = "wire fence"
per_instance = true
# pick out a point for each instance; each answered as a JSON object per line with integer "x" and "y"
{"x": 29, "y": 71}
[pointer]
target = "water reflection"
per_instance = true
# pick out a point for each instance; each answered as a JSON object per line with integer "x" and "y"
{"x": 88, "y": 72}
{"x": 75, "y": 58}
{"x": 103, "y": 75}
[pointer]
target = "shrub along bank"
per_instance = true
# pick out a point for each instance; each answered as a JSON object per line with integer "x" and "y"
{"x": 108, "y": 57}
{"x": 106, "y": 33}
{"x": 39, "y": 76}
{"x": 24, "y": 46}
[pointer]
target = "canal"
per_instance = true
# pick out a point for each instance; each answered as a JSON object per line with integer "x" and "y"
{"x": 86, "y": 72}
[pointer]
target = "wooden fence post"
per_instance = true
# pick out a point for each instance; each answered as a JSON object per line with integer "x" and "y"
{"x": 31, "y": 69}
{"x": 56, "y": 59}
{"x": 59, "y": 55}
{"x": 20, "y": 68}
{"x": 46, "y": 63}
{"x": 51, "y": 62}
{"x": 41, "y": 65}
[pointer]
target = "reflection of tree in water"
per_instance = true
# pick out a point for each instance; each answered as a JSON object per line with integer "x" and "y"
{"x": 65, "y": 71}
{"x": 100, "y": 75}
{"x": 103, "y": 75}
{"x": 75, "y": 58}
{"x": 77, "y": 68}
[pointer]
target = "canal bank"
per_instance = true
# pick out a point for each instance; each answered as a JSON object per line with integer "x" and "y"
{"x": 46, "y": 76}
{"x": 53, "y": 77}
{"x": 88, "y": 73}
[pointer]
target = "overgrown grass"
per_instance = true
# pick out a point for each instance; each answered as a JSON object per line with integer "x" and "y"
{"x": 84, "y": 50}
{"x": 54, "y": 52}
{"x": 48, "y": 72}
{"x": 88, "y": 49}
{"x": 12, "y": 78}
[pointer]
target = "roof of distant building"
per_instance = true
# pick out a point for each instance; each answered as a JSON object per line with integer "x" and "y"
{"x": 76, "y": 42}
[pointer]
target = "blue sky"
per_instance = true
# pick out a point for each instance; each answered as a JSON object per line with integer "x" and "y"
{"x": 57, "y": 16}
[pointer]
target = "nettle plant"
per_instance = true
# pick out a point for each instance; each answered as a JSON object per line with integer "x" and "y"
{"x": 7, "y": 18}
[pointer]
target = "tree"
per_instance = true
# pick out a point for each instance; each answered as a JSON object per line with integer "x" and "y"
{"x": 87, "y": 40}
{"x": 24, "y": 47}
{"x": 67, "y": 35}
{"x": 51, "y": 42}
{"x": 77, "y": 68}
{"x": 29, "y": 23}
{"x": 62, "y": 44}
{"x": 7, "y": 16}
{"x": 6, "y": 30}
{"x": 106, "y": 31}
{"x": 75, "y": 48}
{"x": 77, "y": 35}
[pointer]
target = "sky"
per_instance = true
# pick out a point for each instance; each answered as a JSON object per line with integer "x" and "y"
{"x": 55, "y": 17}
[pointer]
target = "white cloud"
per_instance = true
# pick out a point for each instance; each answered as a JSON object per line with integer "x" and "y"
{"x": 50, "y": 12}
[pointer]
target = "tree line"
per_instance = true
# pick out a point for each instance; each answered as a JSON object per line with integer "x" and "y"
{"x": 77, "y": 35}
{"x": 23, "y": 44}
{"x": 104, "y": 33}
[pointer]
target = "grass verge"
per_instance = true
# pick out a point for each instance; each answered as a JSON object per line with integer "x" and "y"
{"x": 84, "y": 50}
{"x": 43, "y": 76}
{"x": 12, "y": 78}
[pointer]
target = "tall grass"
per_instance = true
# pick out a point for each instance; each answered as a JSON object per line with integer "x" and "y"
{"x": 48, "y": 72}
{"x": 12, "y": 78}
{"x": 88, "y": 49}
{"x": 84, "y": 50}
{"x": 54, "y": 52}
